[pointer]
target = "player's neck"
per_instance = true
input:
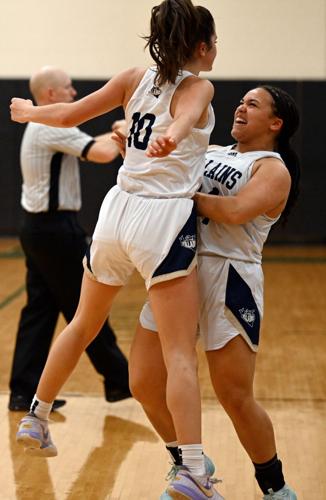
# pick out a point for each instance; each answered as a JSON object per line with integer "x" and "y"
{"x": 246, "y": 147}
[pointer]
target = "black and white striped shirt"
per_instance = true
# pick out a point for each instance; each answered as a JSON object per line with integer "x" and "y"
{"x": 50, "y": 167}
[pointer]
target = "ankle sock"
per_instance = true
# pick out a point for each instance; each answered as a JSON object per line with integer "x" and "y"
{"x": 40, "y": 409}
{"x": 270, "y": 475}
{"x": 193, "y": 458}
{"x": 173, "y": 450}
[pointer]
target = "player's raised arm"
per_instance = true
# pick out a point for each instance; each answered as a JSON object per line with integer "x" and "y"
{"x": 110, "y": 96}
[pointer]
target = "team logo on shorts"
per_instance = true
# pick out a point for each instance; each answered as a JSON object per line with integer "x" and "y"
{"x": 248, "y": 315}
{"x": 188, "y": 241}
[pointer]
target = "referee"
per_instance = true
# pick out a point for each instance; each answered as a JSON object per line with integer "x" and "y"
{"x": 54, "y": 245}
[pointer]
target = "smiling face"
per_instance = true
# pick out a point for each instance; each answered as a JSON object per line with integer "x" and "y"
{"x": 255, "y": 120}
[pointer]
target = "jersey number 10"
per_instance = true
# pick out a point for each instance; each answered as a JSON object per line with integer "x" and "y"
{"x": 141, "y": 130}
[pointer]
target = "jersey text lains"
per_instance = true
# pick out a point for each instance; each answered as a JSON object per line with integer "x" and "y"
{"x": 222, "y": 173}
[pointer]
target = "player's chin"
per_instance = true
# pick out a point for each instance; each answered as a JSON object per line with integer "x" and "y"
{"x": 236, "y": 132}
{"x": 209, "y": 67}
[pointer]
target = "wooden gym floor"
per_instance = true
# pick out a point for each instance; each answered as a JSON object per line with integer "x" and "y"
{"x": 109, "y": 451}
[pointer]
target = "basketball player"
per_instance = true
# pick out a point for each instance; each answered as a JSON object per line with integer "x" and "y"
{"x": 246, "y": 188}
{"x": 147, "y": 221}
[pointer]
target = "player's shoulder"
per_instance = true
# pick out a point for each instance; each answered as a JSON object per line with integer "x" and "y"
{"x": 272, "y": 166}
{"x": 272, "y": 161}
{"x": 130, "y": 75}
{"x": 215, "y": 147}
{"x": 215, "y": 150}
{"x": 203, "y": 84}
{"x": 136, "y": 71}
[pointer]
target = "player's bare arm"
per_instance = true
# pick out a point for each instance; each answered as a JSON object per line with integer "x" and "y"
{"x": 110, "y": 96}
{"x": 265, "y": 193}
{"x": 189, "y": 109}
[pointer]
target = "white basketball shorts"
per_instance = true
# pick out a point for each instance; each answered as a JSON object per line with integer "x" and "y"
{"x": 231, "y": 302}
{"x": 157, "y": 236}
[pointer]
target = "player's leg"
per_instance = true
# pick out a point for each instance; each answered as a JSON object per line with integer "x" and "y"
{"x": 175, "y": 308}
{"x": 104, "y": 352}
{"x": 148, "y": 376}
{"x": 93, "y": 308}
{"x": 169, "y": 272}
{"x": 232, "y": 370}
{"x": 171, "y": 279}
{"x": 174, "y": 303}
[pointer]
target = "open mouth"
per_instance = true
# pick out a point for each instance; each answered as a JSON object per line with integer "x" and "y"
{"x": 240, "y": 121}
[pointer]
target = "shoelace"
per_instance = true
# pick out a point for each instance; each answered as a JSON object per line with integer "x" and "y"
{"x": 276, "y": 496}
{"x": 173, "y": 472}
{"x": 175, "y": 469}
{"x": 214, "y": 480}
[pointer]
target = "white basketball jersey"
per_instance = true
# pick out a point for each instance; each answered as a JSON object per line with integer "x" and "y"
{"x": 226, "y": 172}
{"x": 148, "y": 116}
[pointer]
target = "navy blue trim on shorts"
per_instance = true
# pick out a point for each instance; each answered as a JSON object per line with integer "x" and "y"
{"x": 240, "y": 301}
{"x": 183, "y": 249}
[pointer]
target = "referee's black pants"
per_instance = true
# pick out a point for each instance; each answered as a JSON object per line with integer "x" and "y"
{"x": 54, "y": 245}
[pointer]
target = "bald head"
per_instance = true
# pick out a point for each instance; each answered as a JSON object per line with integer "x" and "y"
{"x": 50, "y": 85}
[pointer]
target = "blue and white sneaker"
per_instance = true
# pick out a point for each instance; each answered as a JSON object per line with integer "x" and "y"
{"x": 187, "y": 486}
{"x": 210, "y": 470}
{"x": 284, "y": 494}
{"x": 209, "y": 467}
{"x": 34, "y": 435}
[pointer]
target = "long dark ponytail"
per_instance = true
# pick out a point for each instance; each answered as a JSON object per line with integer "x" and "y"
{"x": 176, "y": 27}
{"x": 286, "y": 109}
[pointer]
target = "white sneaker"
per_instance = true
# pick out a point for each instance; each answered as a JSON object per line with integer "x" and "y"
{"x": 34, "y": 435}
{"x": 187, "y": 486}
{"x": 284, "y": 494}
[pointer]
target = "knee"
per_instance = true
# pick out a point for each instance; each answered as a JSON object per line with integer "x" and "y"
{"x": 85, "y": 331}
{"x": 182, "y": 361}
{"x": 236, "y": 402}
{"x": 147, "y": 390}
{"x": 137, "y": 386}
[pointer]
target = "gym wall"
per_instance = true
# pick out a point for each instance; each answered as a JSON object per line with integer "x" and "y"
{"x": 281, "y": 42}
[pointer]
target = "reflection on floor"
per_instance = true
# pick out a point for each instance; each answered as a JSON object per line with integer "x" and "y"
{"x": 110, "y": 452}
